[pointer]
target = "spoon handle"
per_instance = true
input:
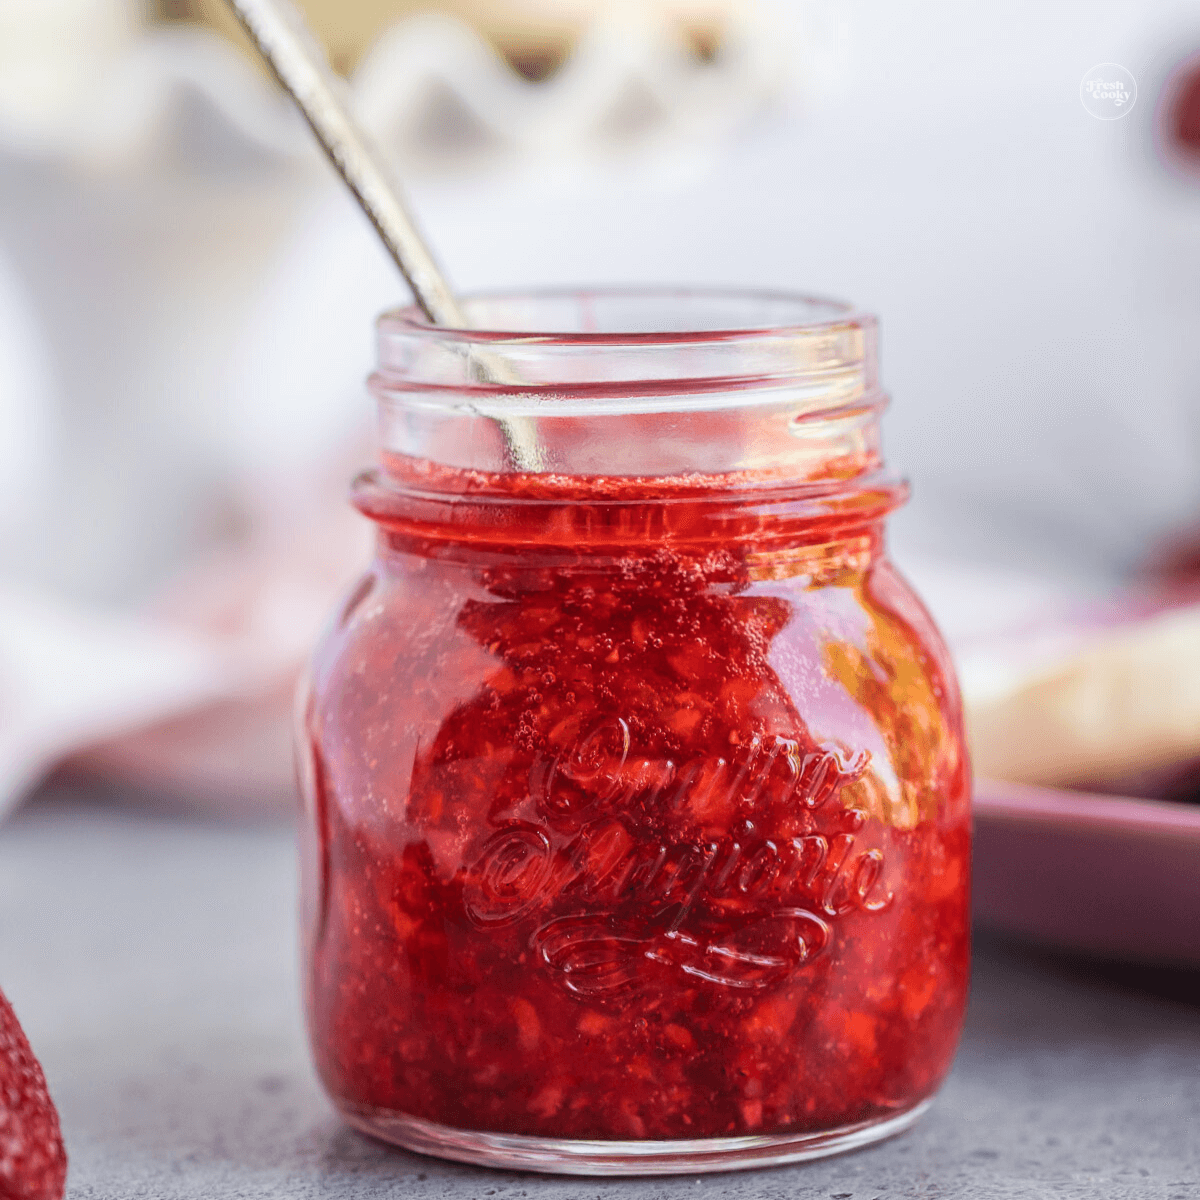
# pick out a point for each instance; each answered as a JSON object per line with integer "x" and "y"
{"x": 278, "y": 29}
{"x": 284, "y": 40}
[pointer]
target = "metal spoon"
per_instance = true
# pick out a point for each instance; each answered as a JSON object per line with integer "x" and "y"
{"x": 300, "y": 64}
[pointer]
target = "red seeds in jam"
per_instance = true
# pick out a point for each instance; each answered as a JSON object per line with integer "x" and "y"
{"x": 627, "y": 835}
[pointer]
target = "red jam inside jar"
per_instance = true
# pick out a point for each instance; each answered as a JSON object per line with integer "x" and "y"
{"x": 637, "y": 831}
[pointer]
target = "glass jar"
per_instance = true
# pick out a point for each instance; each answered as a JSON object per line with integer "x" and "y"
{"x": 637, "y": 804}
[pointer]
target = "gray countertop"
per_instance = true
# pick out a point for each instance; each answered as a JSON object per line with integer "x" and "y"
{"x": 152, "y": 960}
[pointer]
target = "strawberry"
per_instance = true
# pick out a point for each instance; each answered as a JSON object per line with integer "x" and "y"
{"x": 33, "y": 1163}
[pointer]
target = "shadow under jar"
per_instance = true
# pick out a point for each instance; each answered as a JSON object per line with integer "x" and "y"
{"x": 637, "y": 804}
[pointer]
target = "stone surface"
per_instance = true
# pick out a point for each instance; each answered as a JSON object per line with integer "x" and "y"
{"x": 152, "y": 961}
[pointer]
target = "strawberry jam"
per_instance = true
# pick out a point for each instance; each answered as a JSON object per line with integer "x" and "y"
{"x": 637, "y": 815}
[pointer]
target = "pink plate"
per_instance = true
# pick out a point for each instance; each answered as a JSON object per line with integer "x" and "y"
{"x": 1105, "y": 875}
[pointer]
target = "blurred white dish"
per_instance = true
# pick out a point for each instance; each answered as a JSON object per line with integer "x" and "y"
{"x": 203, "y": 294}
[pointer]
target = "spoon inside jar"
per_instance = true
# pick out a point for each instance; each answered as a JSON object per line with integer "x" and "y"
{"x": 282, "y": 37}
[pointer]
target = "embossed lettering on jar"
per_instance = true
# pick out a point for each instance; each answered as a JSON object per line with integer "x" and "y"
{"x": 637, "y": 830}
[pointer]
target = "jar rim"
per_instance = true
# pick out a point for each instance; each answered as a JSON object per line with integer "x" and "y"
{"x": 409, "y": 321}
{"x": 634, "y": 381}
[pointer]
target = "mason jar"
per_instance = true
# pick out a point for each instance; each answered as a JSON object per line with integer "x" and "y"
{"x": 636, "y": 833}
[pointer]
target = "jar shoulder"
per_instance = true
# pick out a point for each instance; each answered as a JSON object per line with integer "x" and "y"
{"x": 426, "y": 657}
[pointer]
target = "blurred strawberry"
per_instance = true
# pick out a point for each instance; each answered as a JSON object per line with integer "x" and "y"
{"x": 33, "y": 1163}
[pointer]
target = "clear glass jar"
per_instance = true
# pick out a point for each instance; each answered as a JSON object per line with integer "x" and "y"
{"x": 637, "y": 804}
